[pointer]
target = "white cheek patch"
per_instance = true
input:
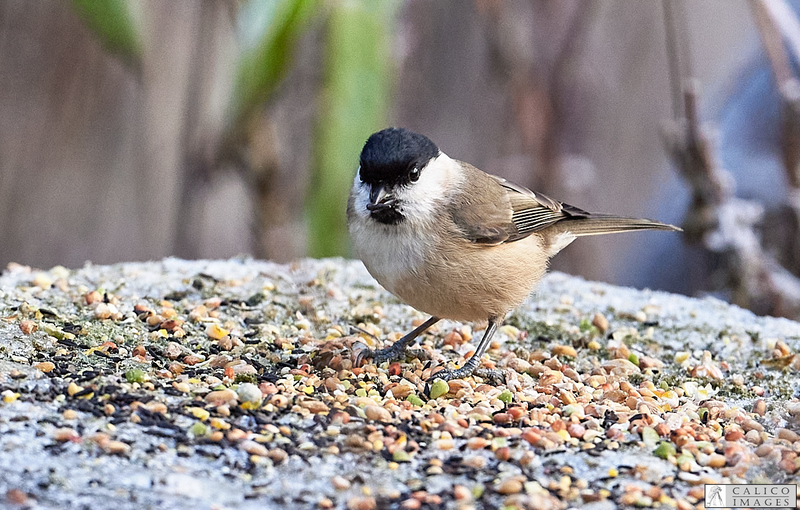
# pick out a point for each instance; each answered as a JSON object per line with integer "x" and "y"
{"x": 393, "y": 253}
{"x": 360, "y": 197}
{"x": 421, "y": 202}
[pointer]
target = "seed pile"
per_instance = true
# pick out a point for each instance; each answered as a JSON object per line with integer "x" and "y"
{"x": 250, "y": 364}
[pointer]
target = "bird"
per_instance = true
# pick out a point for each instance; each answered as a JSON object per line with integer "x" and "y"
{"x": 453, "y": 241}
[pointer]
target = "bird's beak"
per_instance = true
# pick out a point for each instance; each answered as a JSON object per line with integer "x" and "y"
{"x": 380, "y": 199}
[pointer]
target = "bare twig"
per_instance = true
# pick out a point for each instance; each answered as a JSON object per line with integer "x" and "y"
{"x": 777, "y": 23}
{"x": 724, "y": 225}
{"x": 678, "y": 59}
{"x": 774, "y": 25}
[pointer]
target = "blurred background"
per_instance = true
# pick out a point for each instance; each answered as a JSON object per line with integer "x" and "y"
{"x": 134, "y": 130}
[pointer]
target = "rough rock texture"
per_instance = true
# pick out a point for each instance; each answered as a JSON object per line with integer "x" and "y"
{"x": 229, "y": 384}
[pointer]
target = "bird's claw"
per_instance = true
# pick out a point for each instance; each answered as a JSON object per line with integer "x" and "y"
{"x": 361, "y": 353}
{"x": 449, "y": 375}
{"x": 495, "y": 376}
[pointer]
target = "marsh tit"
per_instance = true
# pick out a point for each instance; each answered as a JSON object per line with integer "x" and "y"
{"x": 455, "y": 242}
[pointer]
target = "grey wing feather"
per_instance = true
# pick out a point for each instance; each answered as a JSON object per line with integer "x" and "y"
{"x": 543, "y": 200}
{"x": 506, "y": 212}
{"x": 533, "y": 212}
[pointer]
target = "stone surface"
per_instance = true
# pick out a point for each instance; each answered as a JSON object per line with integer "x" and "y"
{"x": 168, "y": 454}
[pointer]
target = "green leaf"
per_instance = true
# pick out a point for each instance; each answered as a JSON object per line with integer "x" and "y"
{"x": 356, "y": 94}
{"x": 112, "y": 24}
{"x": 506, "y": 396}
{"x": 414, "y": 399}
{"x": 665, "y": 450}
{"x": 401, "y": 456}
{"x": 198, "y": 429}
{"x": 135, "y": 375}
{"x": 261, "y": 68}
{"x": 650, "y": 437}
{"x": 439, "y": 388}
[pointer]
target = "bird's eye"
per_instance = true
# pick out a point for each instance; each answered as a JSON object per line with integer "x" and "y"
{"x": 414, "y": 175}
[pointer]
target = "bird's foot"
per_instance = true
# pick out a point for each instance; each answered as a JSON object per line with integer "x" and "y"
{"x": 495, "y": 376}
{"x": 394, "y": 352}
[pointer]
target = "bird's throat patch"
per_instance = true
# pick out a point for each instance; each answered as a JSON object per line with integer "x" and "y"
{"x": 388, "y": 216}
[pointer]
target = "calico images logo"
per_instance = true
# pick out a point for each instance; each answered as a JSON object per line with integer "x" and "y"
{"x": 750, "y": 495}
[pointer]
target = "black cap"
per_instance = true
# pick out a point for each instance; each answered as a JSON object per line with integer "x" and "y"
{"x": 390, "y": 155}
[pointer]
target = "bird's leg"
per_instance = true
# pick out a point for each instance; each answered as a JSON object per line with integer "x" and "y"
{"x": 395, "y": 351}
{"x": 471, "y": 366}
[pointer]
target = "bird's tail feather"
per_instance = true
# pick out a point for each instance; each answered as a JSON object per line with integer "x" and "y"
{"x": 596, "y": 224}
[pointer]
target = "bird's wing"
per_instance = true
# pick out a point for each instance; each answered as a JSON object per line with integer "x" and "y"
{"x": 532, "y": 212}
{"x": 503, "y": 212}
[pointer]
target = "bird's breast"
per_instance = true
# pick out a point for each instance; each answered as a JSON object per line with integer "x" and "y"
{"x": 393, "y": 254}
